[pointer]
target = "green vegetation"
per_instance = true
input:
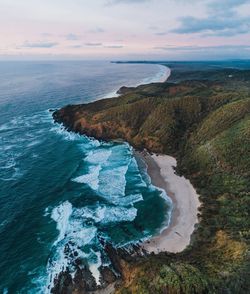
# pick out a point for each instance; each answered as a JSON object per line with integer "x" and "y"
{"x": 205, "y": 123}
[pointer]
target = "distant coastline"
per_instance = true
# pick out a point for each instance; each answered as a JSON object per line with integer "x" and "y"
{"x": 161, "y": 77}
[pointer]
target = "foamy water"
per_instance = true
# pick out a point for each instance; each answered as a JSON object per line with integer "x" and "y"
{"x": 59, "y": 191}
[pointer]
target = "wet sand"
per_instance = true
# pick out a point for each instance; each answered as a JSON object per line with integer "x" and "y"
{"x": 176, "y": 237}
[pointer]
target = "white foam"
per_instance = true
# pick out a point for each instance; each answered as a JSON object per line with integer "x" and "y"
{"x": 99, "y": 156}
{"x": 161, "y": 76}
{"x": 112, "y": 178}
{"x": 129, "y": 199}
{"x": 107, "y": 169}
{"x": 95, "y": 159}
{"x": 60, "y": 215}
{"x": 106, "y": 214}
{"x": 113, "y": 182}
{"x": 54, "y": 267}
{"x": 134, "y": 166}
{"x": 69, "y": 136}
{"x": 71, "y": 227}
{"x": 46, "y": 212}
{"x": 23, "y": 122}
{"x": 92, "y": 178}
{"x": 94, "y": 267}
{"x": 111, "y": 94}
{"x": 60, "y": 130}
{"x": 115, "y": 214}
{"x": 79, "y": 234}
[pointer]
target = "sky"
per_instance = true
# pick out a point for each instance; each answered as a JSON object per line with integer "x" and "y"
{"x": 125, "y": 29}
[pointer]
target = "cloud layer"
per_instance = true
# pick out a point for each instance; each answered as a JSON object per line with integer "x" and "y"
{"x": 222, "y": 20}
{"x": 128, "y": 29}
{"x": 41, "y": 44}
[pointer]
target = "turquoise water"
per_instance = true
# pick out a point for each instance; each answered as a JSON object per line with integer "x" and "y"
{"x": 58, "y": 189}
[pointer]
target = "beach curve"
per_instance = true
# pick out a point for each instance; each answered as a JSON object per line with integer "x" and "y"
{"x": 177, "y": 235}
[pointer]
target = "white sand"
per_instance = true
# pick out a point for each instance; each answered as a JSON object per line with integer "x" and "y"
{"x": 185, "y": 200}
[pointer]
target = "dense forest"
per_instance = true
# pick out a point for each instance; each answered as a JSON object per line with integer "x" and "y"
{"x": 202, "y": 117}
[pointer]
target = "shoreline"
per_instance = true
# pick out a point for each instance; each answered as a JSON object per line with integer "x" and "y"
{"x": 186, "y": 202}
{"x": 177, "y": 235}
{"x": 162, "y": 79}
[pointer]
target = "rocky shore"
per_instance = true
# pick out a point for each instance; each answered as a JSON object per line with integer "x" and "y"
{"x": 83, "y": 281}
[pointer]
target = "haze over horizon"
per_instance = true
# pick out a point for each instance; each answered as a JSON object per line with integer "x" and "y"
{"x": 125, "y": 29}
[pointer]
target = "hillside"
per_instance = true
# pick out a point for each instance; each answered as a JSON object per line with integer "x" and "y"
{"x": 204, "y": 121}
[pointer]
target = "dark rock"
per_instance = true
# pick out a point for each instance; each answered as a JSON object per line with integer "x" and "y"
{"x": 82, "y": 282}
{"x": 79, "y": 282}
{"x": 89, "y": 279}
{"x": 124, "y": 90}
{"x": 108, "y": 275}
{"x": 63, "y": 283}
{"x": 78, "y": 261}
{"x": 66, "y": 249}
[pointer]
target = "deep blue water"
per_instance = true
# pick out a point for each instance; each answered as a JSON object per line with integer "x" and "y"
{"x": 60, "y": 189}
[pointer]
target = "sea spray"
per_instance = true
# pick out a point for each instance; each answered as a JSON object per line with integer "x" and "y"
{"x": 91, "y": 178}
{"x": 61, "y": 215}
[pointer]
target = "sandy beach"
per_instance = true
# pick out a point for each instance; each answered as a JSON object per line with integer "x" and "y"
{"x": 176, "y": 237}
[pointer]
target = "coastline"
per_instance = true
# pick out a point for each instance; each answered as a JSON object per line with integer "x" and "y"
{"x": 161, "y": 170}
{"x": 177, "y": 235}
{"x": 161, "y": 77}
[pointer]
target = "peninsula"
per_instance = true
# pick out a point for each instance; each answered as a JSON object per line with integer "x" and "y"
{"x": 201, "y": 117}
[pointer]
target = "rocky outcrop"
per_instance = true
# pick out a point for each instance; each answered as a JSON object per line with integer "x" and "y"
{"x": 81, "y": 281}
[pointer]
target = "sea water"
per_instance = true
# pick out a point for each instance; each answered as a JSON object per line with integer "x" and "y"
{"x": 59, "y": 189}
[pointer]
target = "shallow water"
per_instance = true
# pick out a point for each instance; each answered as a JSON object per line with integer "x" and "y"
{"x": 60, "y": 189}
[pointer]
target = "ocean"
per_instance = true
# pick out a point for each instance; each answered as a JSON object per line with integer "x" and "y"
{"x": 60, "y": 190}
